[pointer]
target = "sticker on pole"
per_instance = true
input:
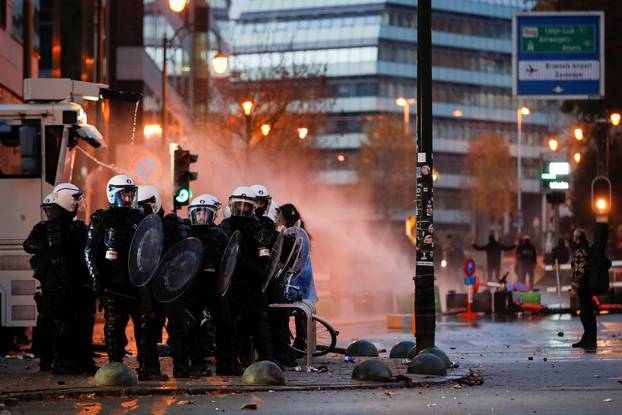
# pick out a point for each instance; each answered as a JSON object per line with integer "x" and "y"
{"x": 469, "y": 267}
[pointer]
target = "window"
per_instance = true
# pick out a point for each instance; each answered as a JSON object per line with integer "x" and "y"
{"x": 53, "y": 138}
{"x": 3, "y": 13}
{"x": 17, "y": 11}
{"x": 20, "y": 152}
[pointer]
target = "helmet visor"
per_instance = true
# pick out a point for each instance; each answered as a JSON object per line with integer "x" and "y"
{"x": 202, "y": 215}
{"x": 125, "y": 196}
{"x": 244, "y": 208}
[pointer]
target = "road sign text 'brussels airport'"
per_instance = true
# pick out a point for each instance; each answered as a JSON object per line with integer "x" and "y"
{"x": 558, "y": 55}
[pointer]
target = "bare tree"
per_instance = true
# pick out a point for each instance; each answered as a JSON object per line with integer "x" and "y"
{"x": 387, "y": 165}
{"x": 489, "y": 181}
{"x": 289, "y": 105}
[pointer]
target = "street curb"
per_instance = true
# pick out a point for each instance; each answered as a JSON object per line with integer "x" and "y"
{"x": 91, "y": 392}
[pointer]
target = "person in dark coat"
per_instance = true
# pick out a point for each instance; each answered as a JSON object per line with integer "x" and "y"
{"x": 561, "y": 253}
{"x": 527, "y": 258}
{"x": 580, "y": 270}
{"x": 454, "y": 254}
{"x": 107, "y": 249}
{"x": 493, "y": 255}
{"x": 57, "y": 245}
{"x": 174, "y": 312}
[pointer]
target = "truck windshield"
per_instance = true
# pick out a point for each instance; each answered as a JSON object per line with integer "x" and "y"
{"x": 20, "y": 151}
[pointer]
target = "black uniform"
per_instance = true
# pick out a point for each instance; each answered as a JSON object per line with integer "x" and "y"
{"x": 112, "y": 230}
{"x": 247, "y": 302}
{"x": 203, "y": 295}
{"x": 65, "y": 306}
{"x": 177, "y": 327}
{"x": 278, "y": 318}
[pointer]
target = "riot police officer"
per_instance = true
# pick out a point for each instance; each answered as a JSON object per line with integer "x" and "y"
{"x": 203, "y": 293}
{"x": 58, "y": 262}
{"x": 247, "y": 302}
{"x": 108, "y": 243}
{"x": 149, "y": 201}
{"x": 262, "y": 199}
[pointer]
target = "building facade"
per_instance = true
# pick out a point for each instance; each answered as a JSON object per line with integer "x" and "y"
{"x": 19, "y": 47}
{"x": 369, "y": 49}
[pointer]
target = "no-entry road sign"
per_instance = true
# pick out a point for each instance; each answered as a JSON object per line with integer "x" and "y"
{"x": 558, "y": 55}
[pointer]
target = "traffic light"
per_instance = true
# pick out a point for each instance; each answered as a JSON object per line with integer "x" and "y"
{"x": 182, "y": 176}
{"x": 556, "y": 198}
{"x": 601, "y": 195}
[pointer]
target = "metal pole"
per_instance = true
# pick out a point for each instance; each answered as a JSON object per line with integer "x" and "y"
{"x": 425, "y": 312}
{"x": 519, "y": 173}
{"x": 406, "y": 118}
{"x": 164, "y": 86}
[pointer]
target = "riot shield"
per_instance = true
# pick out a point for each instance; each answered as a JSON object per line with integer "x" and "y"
{"x": 228, "y": 263}
{"x": 145, "y": 250}
{"x": 177, "y": 270}
{"x": 289, "y": 253}
{"x": 274, "y": 263}
{"x": 302, "y": 256}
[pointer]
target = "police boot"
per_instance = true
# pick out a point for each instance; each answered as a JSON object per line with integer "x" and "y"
{"x": 145, "y": 375}
{"x": 229, "y": 368}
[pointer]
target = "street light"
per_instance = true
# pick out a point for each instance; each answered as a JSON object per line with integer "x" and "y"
{"x": 577, "y": 157}
{"x": 457, "y": 113}
{"x": 520, "y": 112}
{"x": 553, "y": 144}
{"x": 434, "y": 174}
{"x": 265, "y": 129}
{"x": 177, "y": 6}
{"x": 302, "y": 132}
{"x": 220, "y": 63}
{"x": 578, "y": 134}
{"x": 247, "y": 106}
{"x": 152, "y": 130}
{"x": 615, "y": 118}
{"x": 405, "y": 103}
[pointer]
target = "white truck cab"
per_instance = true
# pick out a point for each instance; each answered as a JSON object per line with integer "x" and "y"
{"x": 35, "y": 139}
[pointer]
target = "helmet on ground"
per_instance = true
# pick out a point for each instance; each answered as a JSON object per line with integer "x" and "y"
{"x": 242, "y": 201}
{"x": 202, "y": 210}
{"x": 149, "y": 199}
{"x": 121, "y": 191}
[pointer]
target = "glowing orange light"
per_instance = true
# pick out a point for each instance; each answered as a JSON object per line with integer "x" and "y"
{"x": 177, "y": 5}
{"x": 341, "y": 158}
{"x": 265, "y": 129}
{"x": 615, "y": 118}
{"x": 302, "y": 132}
{"x": 578, "y": 134}
{"x": 247, "y": 106}
{"x": 553, "y": 144}
{"x": 577, "y": 157}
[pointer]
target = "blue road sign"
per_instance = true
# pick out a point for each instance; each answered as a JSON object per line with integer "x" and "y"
{"x": 558, "y": 55}
{"x": 469, "y": 280}
{"x": 469, "y": 266}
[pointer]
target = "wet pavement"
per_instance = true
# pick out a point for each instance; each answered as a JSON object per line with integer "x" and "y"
{"x": 526, "y": 366}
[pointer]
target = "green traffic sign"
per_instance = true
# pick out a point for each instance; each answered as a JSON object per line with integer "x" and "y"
{"x": 558, "y": 39}
{"x": 548, "y": 176}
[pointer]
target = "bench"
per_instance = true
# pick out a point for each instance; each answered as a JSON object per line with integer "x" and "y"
{"x": 308, "y": 309}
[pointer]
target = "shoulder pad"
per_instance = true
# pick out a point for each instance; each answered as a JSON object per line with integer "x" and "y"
{"x": 99, "y": 215}
{"x": 173, "y": 217}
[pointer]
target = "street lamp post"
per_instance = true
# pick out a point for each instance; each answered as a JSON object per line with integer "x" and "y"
{"x": 519, "y": 169}
{"x": 405, "y": 103}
